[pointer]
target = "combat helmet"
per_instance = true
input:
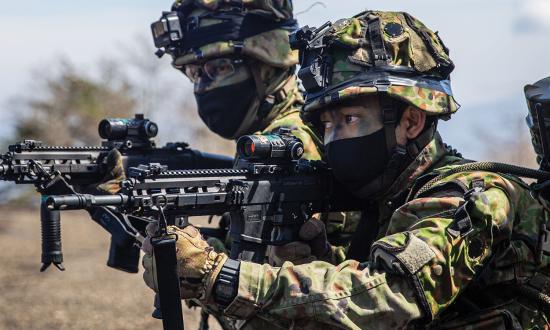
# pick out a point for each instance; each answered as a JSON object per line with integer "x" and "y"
{"x": 253, "y": 32}
{"x": 196, "y": 30}
{"x": 375, "y": 52}
{"x": 390, "y": 54}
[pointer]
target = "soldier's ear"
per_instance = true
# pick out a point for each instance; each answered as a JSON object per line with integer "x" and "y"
{"x": 411, "y": 125}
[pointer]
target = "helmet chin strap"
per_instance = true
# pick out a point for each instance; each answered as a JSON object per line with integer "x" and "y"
{"x": 390, "y": 116}
{"x": 399, "y": 156}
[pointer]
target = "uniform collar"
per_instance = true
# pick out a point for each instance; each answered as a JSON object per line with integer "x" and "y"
{"x": 431, "y": 154}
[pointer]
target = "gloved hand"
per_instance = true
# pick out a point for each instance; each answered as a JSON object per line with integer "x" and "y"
{"x": 314, "y": 246}
{"x": 198, "y": 264}
{"x": 110, "y": 183}
{"x": 115, "y": 173}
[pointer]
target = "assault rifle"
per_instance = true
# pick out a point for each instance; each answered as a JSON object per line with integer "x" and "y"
{"x": 59, "y": 169}
{"x": 269, "y": 194}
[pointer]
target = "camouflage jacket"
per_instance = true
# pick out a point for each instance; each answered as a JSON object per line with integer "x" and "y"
{"x": 465, "y": 253}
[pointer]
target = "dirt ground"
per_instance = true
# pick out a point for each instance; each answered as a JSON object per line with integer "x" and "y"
{"x": 88, "y": 295}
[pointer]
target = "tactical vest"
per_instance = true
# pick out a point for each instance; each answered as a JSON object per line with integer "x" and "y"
{"x": 513, "y": 289}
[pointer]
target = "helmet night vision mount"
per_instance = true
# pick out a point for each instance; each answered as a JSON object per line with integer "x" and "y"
{"x": 179, "y": 32}
{"x": 167, "y": 33}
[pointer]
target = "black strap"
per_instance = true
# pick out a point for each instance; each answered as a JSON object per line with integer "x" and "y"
{"x": 365, "y": 234}
{"x": 235, "y": 27}
{"x": 377, "y": 42}
{"x": 164, "y": 249}
{"x": 227, "y": 283}
{"x": 390, "y": 116}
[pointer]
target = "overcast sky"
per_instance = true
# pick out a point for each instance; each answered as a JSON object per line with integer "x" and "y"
{"x": 497, "y": 45}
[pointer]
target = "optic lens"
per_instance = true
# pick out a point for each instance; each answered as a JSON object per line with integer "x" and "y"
{"x": 249, "y": 148}
{"x": 150, "y": 129}
{"x": 112, "y": 128}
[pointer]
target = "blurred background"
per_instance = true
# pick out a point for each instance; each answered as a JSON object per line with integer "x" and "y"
{"x": 67, "y": 64}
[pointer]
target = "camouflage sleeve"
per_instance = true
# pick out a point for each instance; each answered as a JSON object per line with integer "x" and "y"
{"x": 443, "y": 242}
{"x": 351, "y": 295}
{"x": 429, "y": 255}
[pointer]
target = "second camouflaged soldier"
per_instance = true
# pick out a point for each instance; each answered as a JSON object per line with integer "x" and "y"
{"x": 458, "y": 251}
{"x": 237, "y": 55}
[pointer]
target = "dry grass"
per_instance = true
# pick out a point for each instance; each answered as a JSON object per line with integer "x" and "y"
{"x": 88, "y": 295}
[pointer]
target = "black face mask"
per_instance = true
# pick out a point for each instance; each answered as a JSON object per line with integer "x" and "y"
{"x": 358, "y": 161}
{"x": 224, "y": 109}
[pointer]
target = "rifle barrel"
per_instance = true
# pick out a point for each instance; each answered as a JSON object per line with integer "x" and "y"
{"x": 83, "y": 201}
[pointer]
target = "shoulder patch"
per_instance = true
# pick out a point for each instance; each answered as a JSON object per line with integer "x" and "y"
{"x": 412, "y": 254}
{"x": 415, "y": 255}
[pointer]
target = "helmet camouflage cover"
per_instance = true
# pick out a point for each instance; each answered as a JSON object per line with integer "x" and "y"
{"x": 257, "y": 29}
{"x": 375, "y": 52}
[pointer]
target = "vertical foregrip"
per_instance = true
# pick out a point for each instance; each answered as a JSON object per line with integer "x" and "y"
{"x": 164, "y": 250}
{"x": 50, "y": 221}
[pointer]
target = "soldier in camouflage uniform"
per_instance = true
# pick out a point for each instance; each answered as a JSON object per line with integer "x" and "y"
{"x": 445, "y": 251}
{"x": 245, "y": 83}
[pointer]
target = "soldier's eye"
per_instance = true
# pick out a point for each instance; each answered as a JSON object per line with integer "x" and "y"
{"x": 350, "y": 119}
